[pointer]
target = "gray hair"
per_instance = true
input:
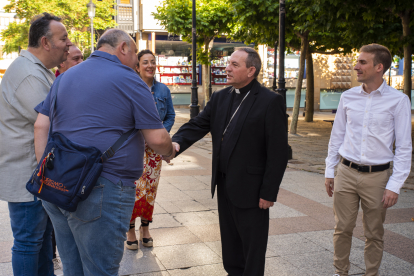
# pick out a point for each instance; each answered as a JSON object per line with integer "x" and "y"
{"x": 113, "y": 37}
{"x": 253, "y": 59}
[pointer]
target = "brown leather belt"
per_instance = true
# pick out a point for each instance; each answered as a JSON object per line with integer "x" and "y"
{"x": 376, "y": 168}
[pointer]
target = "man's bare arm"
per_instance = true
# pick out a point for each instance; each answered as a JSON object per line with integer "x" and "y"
{"x": 41, "y": 131}
{"x": 159, "y": 140}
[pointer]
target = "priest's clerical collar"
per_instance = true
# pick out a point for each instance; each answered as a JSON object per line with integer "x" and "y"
{"x": 245, "y": 89}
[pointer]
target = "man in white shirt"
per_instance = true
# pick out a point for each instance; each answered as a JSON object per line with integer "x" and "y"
{"x": 369, "y": 119}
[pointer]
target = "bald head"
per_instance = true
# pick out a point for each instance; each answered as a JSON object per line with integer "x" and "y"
{"x": 118, "y": 43}
{"x": 113, "y": 37}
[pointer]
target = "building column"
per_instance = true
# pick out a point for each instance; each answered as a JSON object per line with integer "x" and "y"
{"x": 262, "y": 51}
{"x": 153, "y": 42}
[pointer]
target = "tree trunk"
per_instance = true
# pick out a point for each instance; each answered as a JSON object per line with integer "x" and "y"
{"x": 204, "y": 83}
{"x": 310, "y": 87}
{"x": 405, "y": 18}
{"x": 296, "y": 105}
{"x": 206, "y": 75}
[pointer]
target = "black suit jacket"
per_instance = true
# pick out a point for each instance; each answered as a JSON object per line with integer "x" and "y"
{"x": 258, "y": 143}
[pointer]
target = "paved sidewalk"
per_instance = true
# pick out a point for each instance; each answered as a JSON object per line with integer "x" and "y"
{"x": 186, "y": 232}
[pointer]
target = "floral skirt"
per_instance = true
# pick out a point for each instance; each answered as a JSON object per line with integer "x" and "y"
{"x": 147, "y": 185}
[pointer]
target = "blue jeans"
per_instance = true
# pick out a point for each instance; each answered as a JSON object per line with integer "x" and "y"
{"x": 90, "y": 240}
{"x": 32, "y": 232}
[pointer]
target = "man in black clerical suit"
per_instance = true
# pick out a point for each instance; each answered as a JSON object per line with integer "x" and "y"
{"x": 248, "y": 126}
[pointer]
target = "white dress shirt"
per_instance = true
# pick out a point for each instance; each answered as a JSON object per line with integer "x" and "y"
{"x": 365, "y": 128}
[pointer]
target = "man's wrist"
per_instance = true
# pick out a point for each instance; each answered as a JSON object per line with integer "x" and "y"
{"x": 171, "y": 153}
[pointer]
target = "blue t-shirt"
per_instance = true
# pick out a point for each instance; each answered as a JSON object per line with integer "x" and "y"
{"x": 99, "y": 100}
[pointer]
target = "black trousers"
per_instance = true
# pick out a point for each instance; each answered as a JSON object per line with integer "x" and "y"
{"x": 244, "y": 234}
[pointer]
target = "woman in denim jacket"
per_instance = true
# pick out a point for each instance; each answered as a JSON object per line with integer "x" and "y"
{"x": 146, "y": 186}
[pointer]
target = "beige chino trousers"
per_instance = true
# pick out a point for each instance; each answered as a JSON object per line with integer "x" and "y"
{"x": 352, "y": 187}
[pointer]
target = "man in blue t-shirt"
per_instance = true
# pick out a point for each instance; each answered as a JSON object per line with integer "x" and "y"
{"x": 97, "y": 101}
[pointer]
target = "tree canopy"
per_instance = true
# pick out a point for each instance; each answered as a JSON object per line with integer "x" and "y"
{"x": 390, "y": 23}
{"x": 330, "y": 26}
{"x": 214, "y": 19}
{"x": 74, "y": 16}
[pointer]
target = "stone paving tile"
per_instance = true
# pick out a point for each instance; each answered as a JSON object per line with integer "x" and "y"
{"x": 302, "y": 224}
{"x": 4, "y": 207}
{"x": 206, "y": 151}
{"x": 164, "y": 221}
{"x": 277, "y": 228}
{"x": 168, "y": 192}
{"x": 194, "y": 172}
{"x": 290, "y": 244}
{"x": 169, "y": 207}
{"x": 158, "y": 209}
{"x": 189, "y": 205}
{"x": 206, "y": 179}
{"x": 187, "y": 183}
{"x": 206, "y": 233}
{"x": 399, "y": 246}
{"x": 288, "y": 198}
{"x": 205, "y": 270}
{"x": 215, "y": 246}
{"x": 139, "y": 261}
{"x": 5, "y": 251}
{"x": 405, "y": 229}
{"x": 6, "y": 233}
{"x": 280, "y": 267}
{"x": 390, "y": 264}
{"x": 201, "y": 194}
{"x": 399, "y": 215}
{"x": 197, "y": 218}
{"x": 405, "y": 200}
{"x": 317, "y": 263}
{"x": 210, "y": 204}
{"x": 186, "y": 255}
{"x": 282, "y": 211}
{"x": 161, "y": 273}
{"x": 6, "y": 269}
{"x": 173, "y": 236}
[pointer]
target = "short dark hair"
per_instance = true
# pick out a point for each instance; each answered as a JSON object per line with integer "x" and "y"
{"x": 40, "y": 27}
{"x": 252, "y": 60}
{"x": 381, "y": 54}
{"x": 113, "y": 37}
{"x": 144, "y": 52}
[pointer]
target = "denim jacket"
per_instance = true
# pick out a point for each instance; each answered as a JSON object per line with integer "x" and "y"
{"x": 163, "y": 100}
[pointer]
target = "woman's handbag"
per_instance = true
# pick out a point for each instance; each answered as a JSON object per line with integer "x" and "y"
{"x": 68, "y": 171}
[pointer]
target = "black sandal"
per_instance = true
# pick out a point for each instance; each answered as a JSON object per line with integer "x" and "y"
{"x": 134, "y": 244}
{"x": 145, "y": 242}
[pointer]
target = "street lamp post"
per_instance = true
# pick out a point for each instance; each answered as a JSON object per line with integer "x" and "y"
{"x": 194, "y": 107}
{"x": 91, "y": 12}
{"x": 282, "y": 89}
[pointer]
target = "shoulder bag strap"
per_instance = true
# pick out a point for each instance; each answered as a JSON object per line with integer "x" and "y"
{"x": 111, "y": 150}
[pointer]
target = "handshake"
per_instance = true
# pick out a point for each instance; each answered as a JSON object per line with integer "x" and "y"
{"x": 173, "y": 151}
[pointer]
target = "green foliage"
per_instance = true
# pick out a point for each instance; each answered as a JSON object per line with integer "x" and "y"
{"x": 214, "y": 18}
{"x": 376, "y": 23}
{"x": 258, "y": 22}
{"x": 74, "y": 16}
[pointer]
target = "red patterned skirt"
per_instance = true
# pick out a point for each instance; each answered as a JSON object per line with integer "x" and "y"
{"x": 147, "y": 185}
